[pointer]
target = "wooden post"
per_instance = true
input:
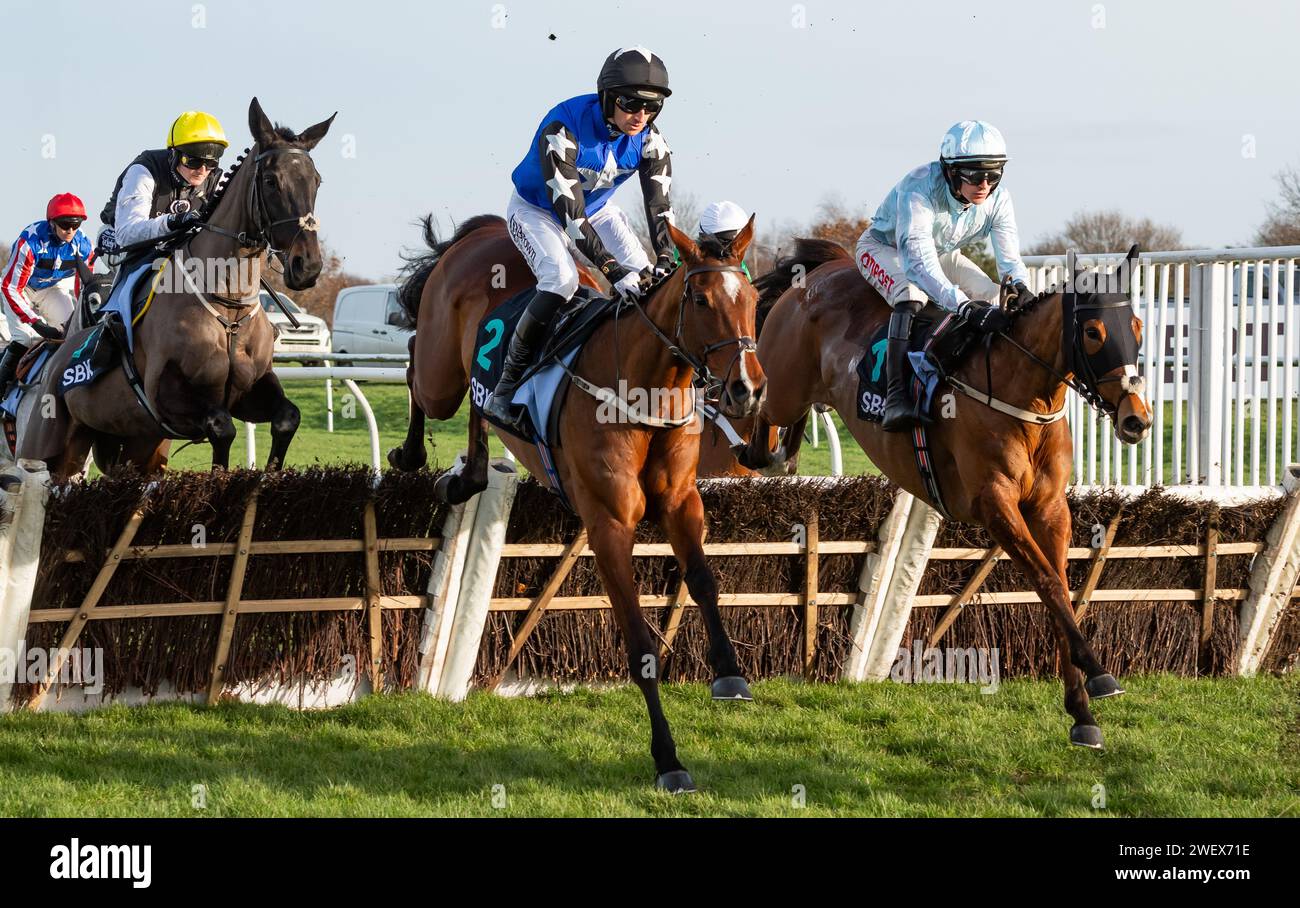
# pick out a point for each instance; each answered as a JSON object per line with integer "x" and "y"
{"x": 1211, "y": 581}
{"x": 373, "y": 609}
{"x": 1098, "y": 563}
{"x": 959, "y": 601}
{"x": 91, "y": 600}
{"x": 233, "y": 593}
{"x": 810, "y": 601}
{"x": 535, "y": 609}
{"x": 676, "y": 611}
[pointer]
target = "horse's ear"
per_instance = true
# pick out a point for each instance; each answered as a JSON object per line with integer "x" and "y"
{"x": 260, "y": 125}
{"x": 743, "y": 239}
{"x": 313, "y": 134}
{"x": 685, "y": 245}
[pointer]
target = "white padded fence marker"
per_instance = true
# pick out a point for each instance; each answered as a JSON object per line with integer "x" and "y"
{"x": 477, "y": 579}
{"x": 21, "y": 527}
{"x": 913, "y": 556}
{"x": 873, "y": 586}
{"x": 1272, "y": 578}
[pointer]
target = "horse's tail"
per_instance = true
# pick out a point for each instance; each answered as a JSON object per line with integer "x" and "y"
{"x": 808, "y": 253}
{"x": 418, "y": 267}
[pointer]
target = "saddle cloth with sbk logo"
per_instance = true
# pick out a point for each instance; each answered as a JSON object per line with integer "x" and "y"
{"x": 938, "y": 343}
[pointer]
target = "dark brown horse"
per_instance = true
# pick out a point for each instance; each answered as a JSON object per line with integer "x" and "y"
{"x": 203, "y": 349}
{"x": 996, "y": 469}
{"x": 616, "y": 472}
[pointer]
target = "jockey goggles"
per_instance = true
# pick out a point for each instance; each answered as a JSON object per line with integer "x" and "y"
{"x": 68, "y": 223}
{"x": 976, "y": 175}
{"x": 194, "y": 162}
{"x": 629, "y": 104}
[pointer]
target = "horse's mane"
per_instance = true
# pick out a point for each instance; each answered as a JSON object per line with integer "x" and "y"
{"x": 808, "y": 253}
{"x": 419, "y": 265}
{"x": 211, "y": 204}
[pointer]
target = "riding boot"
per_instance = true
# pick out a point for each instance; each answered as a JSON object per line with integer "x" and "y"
{"x": 9, "y": 364}
{"x": 898, "y": 406}
{"x": 527, "y": 339}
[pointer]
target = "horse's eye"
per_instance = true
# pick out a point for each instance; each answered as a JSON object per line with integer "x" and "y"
{"x": 1093, "y": 334}
{"x": 701, "y": 299}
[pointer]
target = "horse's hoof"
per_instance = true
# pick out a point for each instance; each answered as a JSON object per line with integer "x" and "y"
{"x": 731, "y": 687}
{"x": 398, "y": 461}
{"x": 1086, "y": 736}
{"x": 678, "y": 781}
{"x": 1103, "y": 686}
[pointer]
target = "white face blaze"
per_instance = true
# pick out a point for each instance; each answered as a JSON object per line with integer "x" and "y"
{"x": 731, "y": 284}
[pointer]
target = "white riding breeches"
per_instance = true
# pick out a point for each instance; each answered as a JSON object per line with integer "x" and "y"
{"x": 882, "y": 266}
{"x": 54, "y": 304}
{"x": 549, "y": 251}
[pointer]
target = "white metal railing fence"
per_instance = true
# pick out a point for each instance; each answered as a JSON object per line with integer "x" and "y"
{"x": 1219, "y": 353}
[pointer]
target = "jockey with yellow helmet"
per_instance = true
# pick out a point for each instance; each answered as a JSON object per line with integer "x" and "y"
{"x": 163, "y": 189}
{"x": 911, "y": 251}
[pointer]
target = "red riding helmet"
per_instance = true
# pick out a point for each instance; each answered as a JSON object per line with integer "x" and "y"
{"x": 65, "y": 205}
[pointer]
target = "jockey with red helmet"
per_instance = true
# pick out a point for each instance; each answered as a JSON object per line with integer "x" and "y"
{"x": 42, "y": 279}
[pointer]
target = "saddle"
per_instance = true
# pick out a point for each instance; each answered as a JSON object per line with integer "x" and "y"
{"x": 541, "y": 390}
{"x": 940, "y": 340}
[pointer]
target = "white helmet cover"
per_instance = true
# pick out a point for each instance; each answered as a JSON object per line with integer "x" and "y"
{"x": 973, "y": 141}
{"x": 722, "y": 217}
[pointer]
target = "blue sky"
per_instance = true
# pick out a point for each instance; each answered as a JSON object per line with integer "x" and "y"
{"x": 1178, "y": 112}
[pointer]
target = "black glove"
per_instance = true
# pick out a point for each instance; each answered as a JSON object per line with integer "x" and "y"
{"x": 663, "y": 265}
{"x": 1023, "y": 295}
{"x": 47, "y": 331}
{"x": 989, "y": 319}
{"x": 107, "y": 242}
{"x": 183, "y": 220}
{"x": 648, "y": 276}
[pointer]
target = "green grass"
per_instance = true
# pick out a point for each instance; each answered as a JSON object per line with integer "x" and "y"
{"x": 350, "y": 440}
{"x": 1178, "y": 747}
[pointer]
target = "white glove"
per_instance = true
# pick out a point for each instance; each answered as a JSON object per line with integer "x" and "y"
{"x": 629, "y": 285}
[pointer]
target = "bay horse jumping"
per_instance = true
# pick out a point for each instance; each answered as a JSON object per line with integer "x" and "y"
{"x": 203, "y": 351}
{"x": 997, "y": 466}
{"x": 697, "y": 323}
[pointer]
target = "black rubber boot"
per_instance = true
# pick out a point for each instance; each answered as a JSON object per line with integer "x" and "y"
{"x": 898, "y": 405}
{"x": 527, "y": 339}
{"x": 9, "y": 365}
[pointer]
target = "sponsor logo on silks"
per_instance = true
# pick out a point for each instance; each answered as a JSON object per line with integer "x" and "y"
{"x": 179, "y": 206}
{"x": 518, "y": 234}
{"x": 77, "y": 375}
{"x": 877, "y": 273}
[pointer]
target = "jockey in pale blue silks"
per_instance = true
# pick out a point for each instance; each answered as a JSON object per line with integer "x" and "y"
{"x": 911, "y": 251}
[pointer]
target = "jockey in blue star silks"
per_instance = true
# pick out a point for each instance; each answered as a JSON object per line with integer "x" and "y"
{"x": 911, "y": 251}
{"x": 42, "y": 279}
{"x": 583, "y": 150}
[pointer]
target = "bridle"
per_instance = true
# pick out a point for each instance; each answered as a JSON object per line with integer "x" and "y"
{"x": 704, "y": 378}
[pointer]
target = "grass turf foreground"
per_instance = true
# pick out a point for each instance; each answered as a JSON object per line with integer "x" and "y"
{"x": 1179, "y": 747}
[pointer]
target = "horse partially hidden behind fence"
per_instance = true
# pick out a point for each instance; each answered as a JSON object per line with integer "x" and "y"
{"x": 1002, "y": 464}
{"x": 700, "y": 319}
{"x": 203, "y": 350}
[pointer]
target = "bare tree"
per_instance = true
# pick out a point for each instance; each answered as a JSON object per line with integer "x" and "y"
{"x": 1282, "y": 226}
{"x": 1108, "y": 231}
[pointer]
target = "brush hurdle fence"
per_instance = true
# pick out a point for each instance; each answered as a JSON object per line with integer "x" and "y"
{"x": 316, "y": 588}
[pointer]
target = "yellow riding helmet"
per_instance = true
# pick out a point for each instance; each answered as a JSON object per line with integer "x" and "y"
{"x": 196, "y": 126}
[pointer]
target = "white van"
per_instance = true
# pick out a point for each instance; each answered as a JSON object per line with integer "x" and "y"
{"x": 369, "y": 319}
{"x": 311, "y": 335}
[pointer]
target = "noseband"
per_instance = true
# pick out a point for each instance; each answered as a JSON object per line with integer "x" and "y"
{"x": 704, "y": 378}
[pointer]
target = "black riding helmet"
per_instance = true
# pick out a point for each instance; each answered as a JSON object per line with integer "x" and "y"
{"x": 631, "y": 70}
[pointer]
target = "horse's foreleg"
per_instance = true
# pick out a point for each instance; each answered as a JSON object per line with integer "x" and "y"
{"x": 1050, "y": 526}
{"x": 683, "y": 524}
{"x": 1000, "y": 507}
{"x": 266, "y": 402}
{"x": 219, "y": 429}
{"x": 611, "y": 542}
{"x": 459, "y": 486}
